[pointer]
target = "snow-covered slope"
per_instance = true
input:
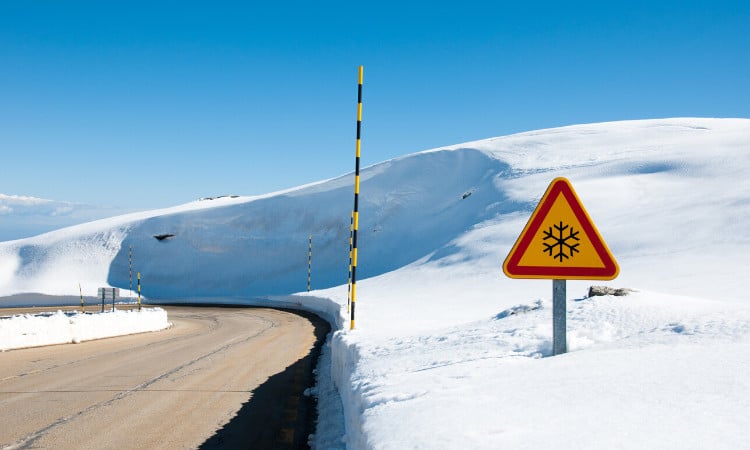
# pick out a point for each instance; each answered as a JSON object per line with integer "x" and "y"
{"x": 668, "y": 190}
{"x": 448, "y": 352}
{"x": 253, "y": 247}
{"x": 665, "y": 190}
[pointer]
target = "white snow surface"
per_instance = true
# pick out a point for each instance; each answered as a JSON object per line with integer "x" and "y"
{"x": 33, "y": 330}
{"x": 447, "y": 352}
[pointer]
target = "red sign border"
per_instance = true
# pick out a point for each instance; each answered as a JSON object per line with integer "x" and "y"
{"x": 560, "y": 186}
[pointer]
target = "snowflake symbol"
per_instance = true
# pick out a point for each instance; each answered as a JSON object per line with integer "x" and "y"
{"x": 561, "y": 241}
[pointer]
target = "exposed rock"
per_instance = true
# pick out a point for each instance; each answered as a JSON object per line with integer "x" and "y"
{"x": 606, "y": 290}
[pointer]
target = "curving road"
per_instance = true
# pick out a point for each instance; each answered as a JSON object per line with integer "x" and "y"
{"x": 219, "y": 378}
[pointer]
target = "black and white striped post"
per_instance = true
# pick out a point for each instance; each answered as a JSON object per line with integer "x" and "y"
{"x": 139, "y": 291}
{"x": 80, "y": 291}
{"x": 309, "y": 264}
{"x": 130, "y": 285}
{"x": 355, "y": 214}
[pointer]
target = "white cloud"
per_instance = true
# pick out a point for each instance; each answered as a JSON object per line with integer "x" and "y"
{"x": 22, "y": 200}
{"x": 25, "y": 216}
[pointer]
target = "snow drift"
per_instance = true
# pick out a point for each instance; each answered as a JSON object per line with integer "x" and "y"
{"x": 32, "y": 330}
{"x": 258, "y": 247}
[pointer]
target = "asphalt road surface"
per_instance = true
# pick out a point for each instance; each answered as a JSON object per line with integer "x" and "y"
{"x": 219, "y": 378}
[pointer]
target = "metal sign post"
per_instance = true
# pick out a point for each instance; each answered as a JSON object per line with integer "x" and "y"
{"x": 103, "y": 292}
{"x": 559, "y": 318}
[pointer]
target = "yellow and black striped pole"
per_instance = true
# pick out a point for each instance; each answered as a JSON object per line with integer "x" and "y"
{"x": 355, "y": 214}
{"x": 309, "y": 264}
{"x": 349, "y": 279}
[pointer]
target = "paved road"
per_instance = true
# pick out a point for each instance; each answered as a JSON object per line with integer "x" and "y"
{"x": 219, "y": 378}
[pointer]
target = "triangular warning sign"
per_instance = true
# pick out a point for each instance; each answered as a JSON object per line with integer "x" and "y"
{"x": 560, "y": 241}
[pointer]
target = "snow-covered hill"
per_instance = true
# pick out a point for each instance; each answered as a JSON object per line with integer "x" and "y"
{"x": 448, "y": 352}
{"x": 254, "y": 247}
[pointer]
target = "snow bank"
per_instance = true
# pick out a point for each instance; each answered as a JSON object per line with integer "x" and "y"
{"x": 644, "y": 371}
{"x": 27, "y": 330}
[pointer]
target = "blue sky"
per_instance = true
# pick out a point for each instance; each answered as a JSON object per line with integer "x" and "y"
{"x": 138, "y": 105}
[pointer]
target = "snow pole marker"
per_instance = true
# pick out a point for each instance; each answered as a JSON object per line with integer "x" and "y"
{"x": 130, "y": 286}
{"x": 80, "y": 290}
{"x": 309, "y": 264}
{"x": 355, "y": 214}
{"x": 349, "y": 279}
{"x": 139, "y": 291}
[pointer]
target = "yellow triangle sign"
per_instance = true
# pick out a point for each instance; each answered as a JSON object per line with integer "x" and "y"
{"x": 560, "y": 241}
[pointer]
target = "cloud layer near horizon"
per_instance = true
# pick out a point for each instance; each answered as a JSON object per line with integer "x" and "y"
{"x": 25, "y": 216}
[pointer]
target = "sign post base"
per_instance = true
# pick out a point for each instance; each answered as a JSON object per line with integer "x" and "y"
{"x": 559, "y": 318}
